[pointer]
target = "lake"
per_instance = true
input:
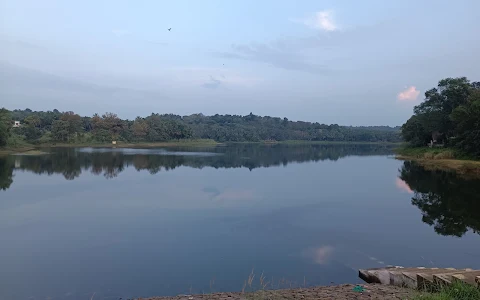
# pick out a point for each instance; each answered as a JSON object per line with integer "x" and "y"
{"x": 144, "y": 222}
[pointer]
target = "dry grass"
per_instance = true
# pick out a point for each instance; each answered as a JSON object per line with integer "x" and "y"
{"x": 464, "y": 168}
{"x": 7, "y": 151}
{"x": 444, "y": 155}
{"x": 264, "y": 289}
{"x": 441, "y": 159}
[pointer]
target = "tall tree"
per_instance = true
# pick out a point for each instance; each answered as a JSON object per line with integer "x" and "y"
{"x": 435, "y": 115}
{"x": 466, "y": 118}
{"x": 60, "y": 130}
{"x": 113, "y": 124}
{"x": 5, "y": 125}
{"x": 73, "y": 123}
{"x": 140, "y": 129}
{"x": 32, "y": 129}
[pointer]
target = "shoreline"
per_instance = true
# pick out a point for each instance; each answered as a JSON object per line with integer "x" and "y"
{"x": 191, "y": 143}
{"x": 467, "y": 168}
{"x": 19, "y": 150}
{"x": 444, "y": 159}
{"x": 39, "y": 147}
{"x": 342, "y": 291}
{"x": 186, "y": 143}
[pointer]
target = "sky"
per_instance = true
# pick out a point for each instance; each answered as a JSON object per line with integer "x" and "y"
{"x": 343, "y": 62}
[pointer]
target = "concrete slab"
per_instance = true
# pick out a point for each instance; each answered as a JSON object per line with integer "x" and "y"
{"x": 467, "y": 277}
{"x": 425, "y": 279}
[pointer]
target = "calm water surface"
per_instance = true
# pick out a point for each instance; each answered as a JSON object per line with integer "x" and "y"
{"x": 143, "y": 222}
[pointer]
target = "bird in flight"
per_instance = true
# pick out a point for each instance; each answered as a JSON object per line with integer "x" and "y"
{"x": 169, "y": 29}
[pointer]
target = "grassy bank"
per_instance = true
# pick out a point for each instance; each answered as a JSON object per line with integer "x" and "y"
{"x": 16, "y": 144}
{"x": 456, "y": 291}
{"x": 293, "y": 142}
{"x": 441, "y": 159}
{"x": 14, "y": 150}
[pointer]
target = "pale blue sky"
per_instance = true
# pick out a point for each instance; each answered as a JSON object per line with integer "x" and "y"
{"x": 339, "y": 62}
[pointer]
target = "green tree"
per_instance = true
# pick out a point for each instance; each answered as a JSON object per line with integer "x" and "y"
{"x": 466, "y": 118}
{"x": 5, "y": 126}
{"x": 140, "y": 129}
{"x": 414, "y": 131}
{"x": 73, "y": 124}
{"x": 32, "y": 127}
{"x": 437, "y": 116}
{"x": 108, "y": 127}
{"x": 60, "y": 130}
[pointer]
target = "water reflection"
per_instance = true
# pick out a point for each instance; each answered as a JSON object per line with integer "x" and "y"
{"x": 6, "y": 173}
{"x": 319, "y": 255}
{"x": 449, "y": 203}
{"x": 403, "y": 186}
{"x": 173, "y": 232}
{"x": 110, "y": 163}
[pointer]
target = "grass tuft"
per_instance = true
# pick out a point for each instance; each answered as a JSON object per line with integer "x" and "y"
{"x": 456, "y": 291}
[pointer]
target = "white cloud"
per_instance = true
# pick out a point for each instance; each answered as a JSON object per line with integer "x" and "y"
{"x": 212, "y": 83}
{"x": 410, "y": 94}
{"x": 321, "y": 20}
{"x": 120, "y": 32}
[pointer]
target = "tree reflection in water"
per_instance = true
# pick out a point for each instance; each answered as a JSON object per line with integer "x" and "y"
{"x": 71, "y": 162}
{"x": 449, "y": 203}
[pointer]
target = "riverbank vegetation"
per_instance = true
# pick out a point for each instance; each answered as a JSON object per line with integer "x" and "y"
{"x": 55, "y": 127}
{"x": 456, "y": 291}
{"x": 444, "y": 131}
{"x": 448, "y": 159}
{"x": 449, "y": 118}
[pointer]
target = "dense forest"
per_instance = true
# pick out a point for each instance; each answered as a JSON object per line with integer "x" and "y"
{"x": 67, "y": 127}
{"x": 449, "y": 115}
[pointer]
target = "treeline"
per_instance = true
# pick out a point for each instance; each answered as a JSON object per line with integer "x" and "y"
{"x": 68, "y": 127}
{"x": 449, "y": 115}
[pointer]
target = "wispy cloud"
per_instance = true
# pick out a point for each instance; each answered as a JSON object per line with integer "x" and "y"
{"x": 212, "y": 83}
{"x": 409, "y": 94}
{"x": 216, "y": 77}
{"x": 321, "y": 20}
{"x": 274, "y": 54}
{"x": 120, "y": 32}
